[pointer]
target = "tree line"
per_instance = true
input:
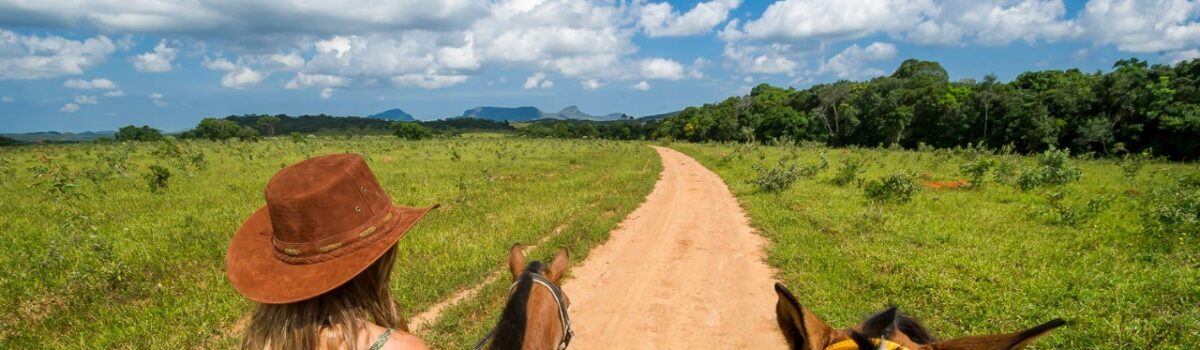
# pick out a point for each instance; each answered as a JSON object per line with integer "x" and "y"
{"x": 1134, "y": 107}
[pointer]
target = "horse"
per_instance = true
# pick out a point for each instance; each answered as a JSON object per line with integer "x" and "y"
{"x": 885, "y": 330}
{"x": 535, "y": 316}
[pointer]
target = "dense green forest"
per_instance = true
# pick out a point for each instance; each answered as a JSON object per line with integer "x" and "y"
{"x": 1133, "y": 108}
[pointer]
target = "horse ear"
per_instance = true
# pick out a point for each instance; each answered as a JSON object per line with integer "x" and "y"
{"x": 558, "y": 267}
{"x": 881, "y": 325}
{"x": 802, "y": 329}
{"x": 516, "y": 260}
{"x": 1010, "y": 341}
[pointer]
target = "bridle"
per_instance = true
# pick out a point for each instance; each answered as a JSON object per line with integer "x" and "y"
{"x": 849, "y": 344}
{"x": 559, "y": 299}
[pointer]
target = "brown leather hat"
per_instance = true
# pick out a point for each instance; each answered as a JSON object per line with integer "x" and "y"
{"x": 326, "y": 220}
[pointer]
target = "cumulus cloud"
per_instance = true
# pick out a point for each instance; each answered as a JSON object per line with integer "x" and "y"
{"x": 242, "y": 78}
{"x": 34, "y": 57}
{"x": 762, "y": 59}
{"x": 659, "y": 19}
{"x": 242, "y": 23}
{"x": 69, "y": 108}
{"x": 591, "y": 84}
{"x": 1182, "y": 55}
{"x": 157, "y": 99}
{"x": 86, "y": 100}
{"x": 1143, "y": 25}
{"x": 537, "y": 80}
{"x": 326, "y": 93}
{"x": 84, "y": 84}
{"x": 157, "y": 61}
{"x": 641, "y": 86}
{"x": 661, "y": 68}
{"x": 408, "y": 59}
{"x": 850, "y": 62}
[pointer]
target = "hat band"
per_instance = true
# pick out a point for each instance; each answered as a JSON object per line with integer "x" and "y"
{"x": 338, "y": 245}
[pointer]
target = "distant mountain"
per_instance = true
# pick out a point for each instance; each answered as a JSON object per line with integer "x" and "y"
{"x": 54, "y": 136}
{"x": 524, "y": 114}
{"x": 394, "y": 114}
{"x": 659, "y": 116}
{"x": 515, "y": 114}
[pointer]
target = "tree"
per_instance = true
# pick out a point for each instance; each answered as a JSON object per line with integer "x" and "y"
{"x": 268, "y": 123}
{"x": 220, "y": 129}
{"x": 411, "y": 131}
{"x": 133, "y": 133}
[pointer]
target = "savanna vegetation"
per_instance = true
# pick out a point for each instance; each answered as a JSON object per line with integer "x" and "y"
{"x": 122, "y": 245}
{"x": 976, "y": 241}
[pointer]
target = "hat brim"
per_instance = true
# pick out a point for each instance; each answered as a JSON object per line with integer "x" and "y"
{"x": 257, "y": 274}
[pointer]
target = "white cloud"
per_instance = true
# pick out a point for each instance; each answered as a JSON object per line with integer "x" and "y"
{"x": 407, "y": 59}
{"x": 326, "y": 93}
{"x": 1143, "y": 25}
{"x": 591, "y": 84}
{"x": 114, "y": 93}
{"x": 69, "y": 108}
{"x": 661, "y": 68}
{"x": 427, "y": 81}
{"x": 157, "y": 98}
{"x": 86, "y": 100}
{"x": 158, "y": 61}
{"x": 242, "y": 78}
{"x": 658, "y": 19}
{"x": 696, "y": 70}
{"x": 1182, "y": 55}
{"x": 33, "y": 57}
{"x": 242, "y": 23}
{"x": 1079, "y": 55}
{"x": 304, "y": 80}
{"x": 762, "y": 59}
{"x": 849, "y": 63}
{"x": 84, "y": 84}
{"x": 641, "y": 85}
{"x": 845, "y": 19}
{"x": 220, "y": 64}
{"x": 6, "y": 99}
{"x": 537, "y": 80}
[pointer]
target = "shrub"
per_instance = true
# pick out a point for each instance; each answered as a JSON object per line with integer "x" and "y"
{"x": 1053, "y": 170}
{"x": 1131, "y": 165}
{"x": 411, "y": 131}
{"x": 1061, "y": 213}
{"x": 133, "y": 133}
{"x": 898, "y": 188}
{"x": 847, "y": 172}
{"x": 1004, "y": 171}
{"x": 1175, "y": 210}
{"x": 157, "y": 177}
{"x": 976, "y": 171}
{"x": 812, "y": 169}
{"x": 777, "y": 178}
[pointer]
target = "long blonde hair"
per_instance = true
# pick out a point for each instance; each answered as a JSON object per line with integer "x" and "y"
{"x": 340, "y": 315}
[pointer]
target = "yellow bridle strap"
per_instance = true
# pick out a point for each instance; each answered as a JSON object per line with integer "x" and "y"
{"x": 849, "y": 344}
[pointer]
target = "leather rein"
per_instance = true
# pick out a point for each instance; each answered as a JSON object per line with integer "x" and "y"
{"x": 559, "y": 300}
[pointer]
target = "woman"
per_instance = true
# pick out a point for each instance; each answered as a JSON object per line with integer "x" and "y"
{"x": 318, "y": 258}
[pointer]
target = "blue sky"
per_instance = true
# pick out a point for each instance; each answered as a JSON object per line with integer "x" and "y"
{"x": 77, "y": 65}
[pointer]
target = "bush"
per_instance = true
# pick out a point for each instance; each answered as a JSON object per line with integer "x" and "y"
{"x": 133, "y": 133}
{"x": 976, "y": 171}
{"x": 898, "y": 188}
{"x": 775, "y": 179}
{"x": 1174, "y": 211}
{"x": 157, "y": 177}
{"x": 1061, "y": 213}
{"x": 1131, "y": 165}
{"x": 411, "y": 131}
{"x": 847, "y": 172}
{"x": 1053, "y": 170}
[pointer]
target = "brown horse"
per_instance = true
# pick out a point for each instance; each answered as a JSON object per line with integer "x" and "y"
{"x": 805, "y": 331}
{"x": 535, "y": 316}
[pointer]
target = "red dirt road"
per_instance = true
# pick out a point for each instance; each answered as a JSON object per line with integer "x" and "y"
{"x": 683, "y": 271}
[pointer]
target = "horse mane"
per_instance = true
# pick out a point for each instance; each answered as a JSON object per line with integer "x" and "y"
{"x": 913, "y": 328}
{"x": 510, "y": 330}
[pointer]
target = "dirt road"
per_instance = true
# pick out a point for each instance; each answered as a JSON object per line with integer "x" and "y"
{"x": 683, "y": 271}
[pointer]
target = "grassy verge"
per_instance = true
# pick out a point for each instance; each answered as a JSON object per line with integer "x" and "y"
{"x": 970, "y": 261}
{"x": 96, "y": 259}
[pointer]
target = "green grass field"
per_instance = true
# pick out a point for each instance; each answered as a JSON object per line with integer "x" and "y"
{"x": 95, "y": 259}
{"x": 970, "y": 261}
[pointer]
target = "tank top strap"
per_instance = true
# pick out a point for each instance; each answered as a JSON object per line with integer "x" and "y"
{"x": 383, "y": 338}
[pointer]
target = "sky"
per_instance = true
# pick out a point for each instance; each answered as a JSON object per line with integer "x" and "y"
{"x": 80, "y": 65}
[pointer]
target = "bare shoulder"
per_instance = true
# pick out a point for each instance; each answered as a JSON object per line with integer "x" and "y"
{"x": 404, "y": 341}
